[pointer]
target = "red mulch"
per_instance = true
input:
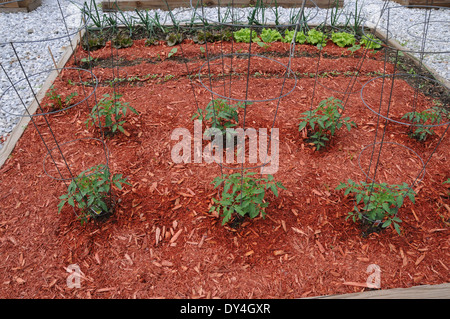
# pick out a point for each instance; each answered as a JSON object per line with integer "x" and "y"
{"x": 304, "y": 247}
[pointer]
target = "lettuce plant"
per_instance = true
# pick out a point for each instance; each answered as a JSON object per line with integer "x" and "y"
{"x": 122, "y": 41}
{"x": 343, "y": 39}
{"x": 93, "y": 43}
{"x": 174, "y": 39}
{"x": 317, "y": 38}
{"x": 204, "y": 36}
{"x": 270, "y": 35}
{"x": 300, "y": 37}
{"x": 370, "y": 42}
{"x": 243, "y": 35}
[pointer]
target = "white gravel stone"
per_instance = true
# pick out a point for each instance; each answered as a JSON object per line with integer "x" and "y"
{"x": 32, "y": 34}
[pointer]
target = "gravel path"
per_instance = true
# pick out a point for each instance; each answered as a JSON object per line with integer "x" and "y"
{"x": 26, "y": 40}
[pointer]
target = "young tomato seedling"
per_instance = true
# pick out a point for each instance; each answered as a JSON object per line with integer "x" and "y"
{"x": 89, "y": 192}
{"x": 222, "y": 116}
{"x": 421, "y": 121}
{"x": 324, "y": 121}
{"x": 243, "y": 194}
{"x": 377, "y": 202}
{"x": 243, "y": 35}
{"x": 111, "y": 113}
{"x": 59, "y": 102}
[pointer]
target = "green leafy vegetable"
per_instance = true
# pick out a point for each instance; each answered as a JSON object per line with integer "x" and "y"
{"x": 370, "y": 42}
{"x": 300, "y": 37}
{"x": 243, "y": 35}
{"x": 270, "y": 35}
{"x": 174, "y": 39}
{"x": 343, "y": 39}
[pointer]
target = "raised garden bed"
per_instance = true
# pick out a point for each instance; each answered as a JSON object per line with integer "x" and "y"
{"x": 437, "y": 3}
{"x": 159, "y": 4}
{"x": 163, "y": 241}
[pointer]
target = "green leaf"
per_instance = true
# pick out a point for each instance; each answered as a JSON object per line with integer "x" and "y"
{"x": 370, "y": 42}
{"x": 302, "y": 125}
{"x": 347, "y": 191}
{"x": 411, "y": 197}
{"x": 226, "y": 218}
{"x": 343, "y": 39}
{"x": 270, "y": 35}
{"x": 399, "y": 201}
{"x": 60, "y": 205}
{"x": 396, "y": 219}
{"x": 274, "y": 189}
{"x": 243, "y": 35}
{"x": 386, "y": 223}
{"x": 386, "y": 207}
{"x": 239, "y": 210}
{"x": 217, "y": 181}
{"x": 358, "y": 198}
{"x": 108, "y": 121}
{"x": 397, "y": 228}
{"x": 280, "y": 185}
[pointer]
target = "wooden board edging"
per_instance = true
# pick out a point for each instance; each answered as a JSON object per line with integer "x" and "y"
{"x": 19, "y": 6}
{"x": 441, "y": 291}
{"x": 437, "y": 3}
{"x": 131, "y": 5}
